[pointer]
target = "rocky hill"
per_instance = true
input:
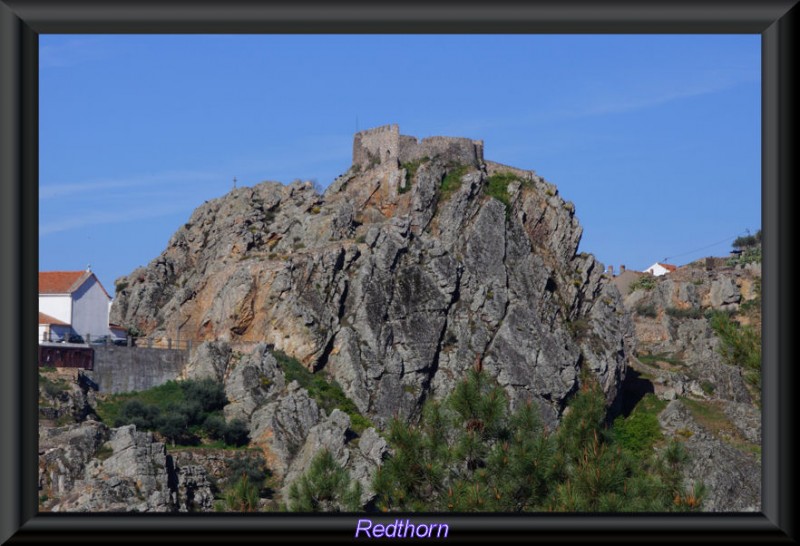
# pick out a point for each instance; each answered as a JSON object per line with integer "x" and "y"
{"x": 420, "y": 262}
{"x": 323, "y": 316}
{"x": 696, "y": 328}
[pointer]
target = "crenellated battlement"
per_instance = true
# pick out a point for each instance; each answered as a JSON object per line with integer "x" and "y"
{"x": 379, "y": 144}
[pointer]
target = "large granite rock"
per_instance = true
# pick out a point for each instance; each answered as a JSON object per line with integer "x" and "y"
{"x": 732, "y": 477}
{"x": 88, "y": 467}
{"x": 394, "y": 282}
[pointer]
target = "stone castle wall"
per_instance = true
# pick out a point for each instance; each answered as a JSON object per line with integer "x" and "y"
{"x": 493, "y": 167}
{"x": 375, "y": 146}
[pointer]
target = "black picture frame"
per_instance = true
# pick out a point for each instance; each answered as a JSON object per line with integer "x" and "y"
{"x": 21, "y": 21}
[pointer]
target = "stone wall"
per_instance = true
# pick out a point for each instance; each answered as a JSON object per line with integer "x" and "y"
{"x": 380, "y": 144}
{"x": 124, "y": 369}
{"x": 376, "y": 145}
{"x": 496, "y": 168}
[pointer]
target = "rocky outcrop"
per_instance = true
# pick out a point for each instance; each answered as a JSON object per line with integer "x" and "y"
{"x": 394, "y": 282}
{"x": 66, "y": 395}
{"x": 712, "y": 409}
{"x": 731, "y": 476}
{"x": 671, "y": 320}
{"x": 88, "y": 467}
{"x": 333, "y": 434}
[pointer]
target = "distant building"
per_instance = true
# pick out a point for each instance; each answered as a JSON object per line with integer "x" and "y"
{"x": 72, "y": 302}
{"x": 118, "y": 333}
{"x": 658, "y": 269}
{"x": 624, "y": 279}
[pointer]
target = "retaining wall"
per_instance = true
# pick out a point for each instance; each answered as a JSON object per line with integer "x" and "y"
{"x": 124, "y": 369}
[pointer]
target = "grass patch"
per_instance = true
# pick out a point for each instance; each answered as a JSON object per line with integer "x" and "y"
{"x": 640, "y": 431}
{"x": 711, "y": 417}
{"x": 452, "y": 181}
{"x": 740, "y": 346}
{"x": 690, "y": 313}
{"x": 654, "y": 359}
{"x": 497, "y": 186}
{"x": 53, "y": 387}
{"x": 327, "y": 394}
{"x": 162, "y": 396}
{"x": 645, "y": 282}
{"x": 411, "y": 168}
{"x": 648, "y": 310}
{"x": 104, "y": 452}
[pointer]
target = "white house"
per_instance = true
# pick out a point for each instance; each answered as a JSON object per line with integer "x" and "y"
{"x": 72, "y": 302}
{"x": 658, "y": 269}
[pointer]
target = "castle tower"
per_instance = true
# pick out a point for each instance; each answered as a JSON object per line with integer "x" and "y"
{"x": 374, "y": 146}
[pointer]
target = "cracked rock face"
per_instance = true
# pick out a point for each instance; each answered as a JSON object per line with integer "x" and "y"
{"x": 731, "y": 476}
{"x": 392, "y": 282}
{"x": 88, "y": 467}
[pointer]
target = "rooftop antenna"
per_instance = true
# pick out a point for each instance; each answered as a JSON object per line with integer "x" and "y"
{"x": 234, "y": 182}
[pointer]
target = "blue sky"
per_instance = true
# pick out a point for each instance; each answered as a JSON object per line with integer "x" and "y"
{"x": 656, "y": 139}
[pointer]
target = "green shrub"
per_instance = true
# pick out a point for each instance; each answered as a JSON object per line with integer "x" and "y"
{"x": 411, "y": 168}
{"x": 215, "y": 426}
{"x": 644, "y": 282}
{"x": 253, "y": 467}
{"x": 646, "y": 310}
{"x": 328, "y": 394}
{"x": 53, "y": 389}
{"x": 497, "y": 186}
{"x": 747, "y": 241}
{"x": 135, "y": 412}
{"x": 740, "y": 345}
{"x": 183, "y": 412}
{"x": 708, "y": 387}
{"x": 237, "y": 433}
{"x": 209, "y": 394}
{"x": 690, "y": 313}
{"x": 640, "y": 431}
{"x": 452, "y": 180}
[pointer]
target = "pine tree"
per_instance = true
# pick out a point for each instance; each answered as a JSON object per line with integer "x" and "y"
{"x": 325, "y": 487}
{"x": 471, "y": 453}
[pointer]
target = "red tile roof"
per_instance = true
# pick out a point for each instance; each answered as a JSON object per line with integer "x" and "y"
{"x": 61, "y": 282}
{"x": 47, "y": 319}
{"x": 668, "y": 267}
{"x": 64, "y": 282}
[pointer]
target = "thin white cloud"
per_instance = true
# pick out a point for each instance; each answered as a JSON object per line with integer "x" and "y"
{"x": 55, "y": 190}
{"x": 642, "y": 95}
{"x": 622, "y": 98}
{"x": 110, "y": 217}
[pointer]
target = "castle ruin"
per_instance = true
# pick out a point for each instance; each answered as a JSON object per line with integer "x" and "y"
{"x": 377, "y": 145}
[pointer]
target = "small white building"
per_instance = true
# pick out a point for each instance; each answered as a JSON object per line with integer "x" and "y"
{"x": 52, "y": 328}
{"x": 658, "y": 269}
{"x": 72, "y": 302}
